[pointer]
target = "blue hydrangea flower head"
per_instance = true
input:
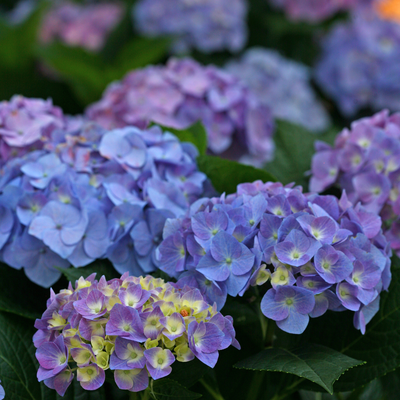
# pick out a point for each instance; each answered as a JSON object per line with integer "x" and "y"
{"x": 207, "y": 25}
{"x": 88, "y": 193}
{"x": 283, "y": 86}
{"x": 308, "y": 253}
{"x": 357, "y": 65}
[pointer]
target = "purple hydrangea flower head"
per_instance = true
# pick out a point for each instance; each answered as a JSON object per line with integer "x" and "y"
{"x": 207, "y": 25}
{"x": 90, "y": 194}
{"x": 135, "y": 326}
{"x": 310, "y": 253}
{"x": 283, "y": 86}
{"x": 364, "y": 75}
{"x": 315, "y": 10}
{"x": 85, "y": 26}
{"x": 27, "y": 124}
{"x": 178, "y": 95}
{"x": 366, "y": 163}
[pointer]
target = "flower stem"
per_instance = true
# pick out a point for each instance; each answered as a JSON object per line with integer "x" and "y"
{"x": 216, "y": 395}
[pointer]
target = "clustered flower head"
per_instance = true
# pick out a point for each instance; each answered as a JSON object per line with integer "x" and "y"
{"x": 26, "y": 125}
{"x": 207, "y": 25}
{"x": 315, "y": 10}
{"x": 358, "y": 65}
{"x": 311, "y": 253}
{"x": 85, "y": 26}
{"x": 134, "y": 326}
{"x": 365, "y": 161}
{"x": 94, "y": 194}
{"x": 282, "y": 85}
{"x": 181, "y": 93}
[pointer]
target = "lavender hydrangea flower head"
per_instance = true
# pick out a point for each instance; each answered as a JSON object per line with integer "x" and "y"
{"x": 26, "y": 124}
{"x": 92, "y": 194}
{"x": 181, "y": 93}
{"x": 309, "y": 253}
{"x": 315, "y": 11}
{"x": 365, "y": 161}
{"x": 283, "y": 86}
{"x": 135, "y": 326}
{"x": 357, "y": 65}
{"x": 207, "y": 25}
{"x": 86, "y": 26}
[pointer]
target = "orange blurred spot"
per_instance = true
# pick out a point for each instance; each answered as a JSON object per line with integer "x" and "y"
{"x": 389, "y": 9}
{"x": 184, "y": 313}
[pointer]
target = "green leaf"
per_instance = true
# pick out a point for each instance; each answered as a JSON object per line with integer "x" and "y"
{"x": 379, "y": 347}
{"x": 99, "y": 267}
{"x": 167, "y": 389}
{"x": 294, "y": 150}
{"x": 140, "y": 52}
{"x": 18, "y": 365}
{"x": 17, "y": 41}
{"x": 318, "y": 364}
{"x": 225, "y": 175}
{"x": 187, "y": 374}
{"x": 84, "y": 71}
{"x": 20, "y": 296}
{"x": 195, "y": 134}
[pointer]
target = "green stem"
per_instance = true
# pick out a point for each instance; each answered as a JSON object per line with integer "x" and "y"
{"x": 318, "y": 396}
{"x": 139, "y": 395}
{"x": 339, "y": 396}
{"x": 216, "y": 395}
{"x": 255, "y": 385}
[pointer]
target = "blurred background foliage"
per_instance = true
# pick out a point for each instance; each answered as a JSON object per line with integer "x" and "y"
{"x": 79, "y": 77}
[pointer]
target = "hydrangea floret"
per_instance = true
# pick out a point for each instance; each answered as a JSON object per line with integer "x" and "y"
{"x": 365, "y": 161}
{"x": 207, "y": 25}
{"x": 283, "y": 85}
{"x": 136, "y": 327}
{"x": 357, "y": 67}
{"x": 183, "y": 92}
{"x": 308, "y": 253}
{"x": 94, "y": 194}
{"x": 315, "y": 11}
{"x": 86, "y": 26}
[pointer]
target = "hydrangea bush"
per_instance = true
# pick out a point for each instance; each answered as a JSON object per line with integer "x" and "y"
{"x": 85, "y": 26}
{"x": 357, "y": 67}
{"x": 315, "y": 252}
{"x": 365, "y": 161}
{"x": 79, "y": 199}
{"x": 183, "y": 92}
{"x": 283, "y": 86}
{"x": 207, "y": 25}
{"x": 135, "y": 326}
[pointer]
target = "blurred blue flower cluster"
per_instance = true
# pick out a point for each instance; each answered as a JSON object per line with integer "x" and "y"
{"x": 207, "y": 25}
{"x": 282, "y": 85}
{"x": 77, "y": 199}
{"x": 317, "y": 252}
{"x": 358, "y": 66}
